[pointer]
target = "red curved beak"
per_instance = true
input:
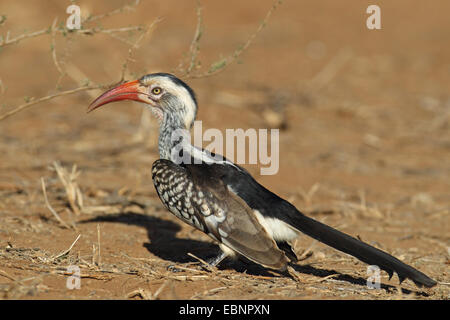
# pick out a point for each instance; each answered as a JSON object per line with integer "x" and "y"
{"x": 125, "y": 91}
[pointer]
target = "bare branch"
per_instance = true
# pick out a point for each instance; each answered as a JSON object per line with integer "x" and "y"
{"x": 190, "y": 70}
{"x": 195, "y": 45}
{"x": 53, "y": 49}
{"x": 2, "y": 87}
{"x": 53, "y": 30}
{"x": 93, "y": 31}
{"x": 135, "y": 46}
{"x": 221, "y": 64}
{"x": 122, "y": 9}
{"x": 2, "y": 19}
{"x": 7, "y": 41}
{"x": 62, "y": 30}
{"x": 49, "y": 97}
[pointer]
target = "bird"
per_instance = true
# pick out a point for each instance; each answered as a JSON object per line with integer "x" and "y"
{"x": 222, "y": 199}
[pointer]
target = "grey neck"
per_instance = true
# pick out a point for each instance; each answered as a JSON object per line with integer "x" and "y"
{"x": 173, "y": 137}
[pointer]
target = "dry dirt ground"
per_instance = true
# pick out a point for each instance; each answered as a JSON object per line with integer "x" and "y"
{"x": 364, "y": 146}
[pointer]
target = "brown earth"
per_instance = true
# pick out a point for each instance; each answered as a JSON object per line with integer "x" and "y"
{"x": 364, "y": 147}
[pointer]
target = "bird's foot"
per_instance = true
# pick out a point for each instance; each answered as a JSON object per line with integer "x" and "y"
{"x": 207, "y": 265}
{"x": 290, "y": 272}
{"x": 173, "y": 268}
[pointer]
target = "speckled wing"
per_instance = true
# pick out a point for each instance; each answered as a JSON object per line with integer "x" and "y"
{"x": 199, "y": 197}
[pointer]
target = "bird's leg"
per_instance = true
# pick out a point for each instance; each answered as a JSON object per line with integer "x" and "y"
{"x": 210, "y": 263}
{"x": 213, "y": 262}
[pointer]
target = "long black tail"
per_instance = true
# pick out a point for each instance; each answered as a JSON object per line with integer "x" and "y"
{"x": 359, "y": 249}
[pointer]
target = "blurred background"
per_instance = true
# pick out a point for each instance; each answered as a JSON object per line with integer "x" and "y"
{"x": 363, "y": 118}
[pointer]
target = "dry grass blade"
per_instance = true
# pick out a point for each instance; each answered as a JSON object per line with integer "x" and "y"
{"x": 74, "y": 195}
{"x": 307, "y": 196}
{"x": 160, "y": 289}
{"x": 55, "y": 214}
{"x": 144, "y": 294}
{"x": 330, "y": 70}
{"x": 6, "y": 275}
{"x": 189, "y": 278}
{"x": 205, "y": 264}
{"x": 98, "y": 243}
{"x": 326, "y": 278}
{"x": 66, "y": 252}
{"x": 207, "y": 292}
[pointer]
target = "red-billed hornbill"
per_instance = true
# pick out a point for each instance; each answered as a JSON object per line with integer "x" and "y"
{"x": 222, "y": 199}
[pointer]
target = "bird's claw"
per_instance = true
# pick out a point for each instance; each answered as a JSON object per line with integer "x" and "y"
{"x": 173, "y": 268}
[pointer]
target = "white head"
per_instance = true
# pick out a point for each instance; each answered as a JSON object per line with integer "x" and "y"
{"x": 170, "y": 98}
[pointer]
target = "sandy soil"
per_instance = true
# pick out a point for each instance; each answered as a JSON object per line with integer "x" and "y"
{"x": 364, "y": 147}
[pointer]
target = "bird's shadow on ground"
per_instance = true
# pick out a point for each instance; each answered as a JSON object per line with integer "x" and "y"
{"x": 362, "y": 282}
{"x": 161, "y": 233}
{"x": 164, "y": 243}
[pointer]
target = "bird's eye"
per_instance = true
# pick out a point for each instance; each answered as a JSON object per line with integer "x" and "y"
{"x": 156, "y": 90}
